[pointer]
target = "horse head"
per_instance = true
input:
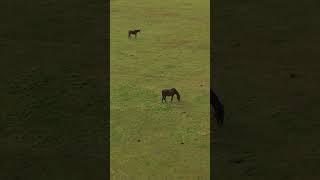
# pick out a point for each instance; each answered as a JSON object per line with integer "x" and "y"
{"x": 177, "y": 93}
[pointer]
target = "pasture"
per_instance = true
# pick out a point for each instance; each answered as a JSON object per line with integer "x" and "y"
{"x": 150, "y": 138}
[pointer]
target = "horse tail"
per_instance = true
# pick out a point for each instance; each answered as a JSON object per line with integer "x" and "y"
{"x": 162, "y": 93}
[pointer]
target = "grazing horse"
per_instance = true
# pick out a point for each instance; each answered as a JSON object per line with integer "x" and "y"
{"x": 217, "y": 106}
{"x": 170, "y": 92}
{"x": 135, "y": 32}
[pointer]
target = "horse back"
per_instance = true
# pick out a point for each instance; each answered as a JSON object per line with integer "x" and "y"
{"x": 166, "y": 92}
{"x": 163, "y": 92}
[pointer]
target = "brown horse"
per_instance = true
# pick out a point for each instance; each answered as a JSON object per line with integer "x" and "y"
{"x": 135, "y": 32}
{"x": 170, "y": 92}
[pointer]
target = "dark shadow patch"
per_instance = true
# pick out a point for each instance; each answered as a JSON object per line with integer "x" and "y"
{"x": 250, "y": 171}
{"x": 237, "y": 161}
{"x": 235, "y": 44}
{"x": 293, "y": 75}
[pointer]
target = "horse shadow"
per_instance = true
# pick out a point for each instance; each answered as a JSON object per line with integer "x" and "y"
{"x": 217, "y": 109}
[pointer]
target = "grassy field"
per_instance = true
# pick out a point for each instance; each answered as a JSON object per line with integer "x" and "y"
{"x": 172, "y": 51}
{"x": 272, "y": 124}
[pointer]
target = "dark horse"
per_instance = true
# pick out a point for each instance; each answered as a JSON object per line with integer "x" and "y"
{"x": 135, "y": 32}
{"x": 217, "y": 106}
{"x": 170, "y": 92}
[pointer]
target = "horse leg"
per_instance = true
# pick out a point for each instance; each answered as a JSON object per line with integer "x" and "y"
{"x": 171, "y": 98}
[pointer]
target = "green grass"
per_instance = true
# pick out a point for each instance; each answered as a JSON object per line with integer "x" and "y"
{"x": 171, "y": 51}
